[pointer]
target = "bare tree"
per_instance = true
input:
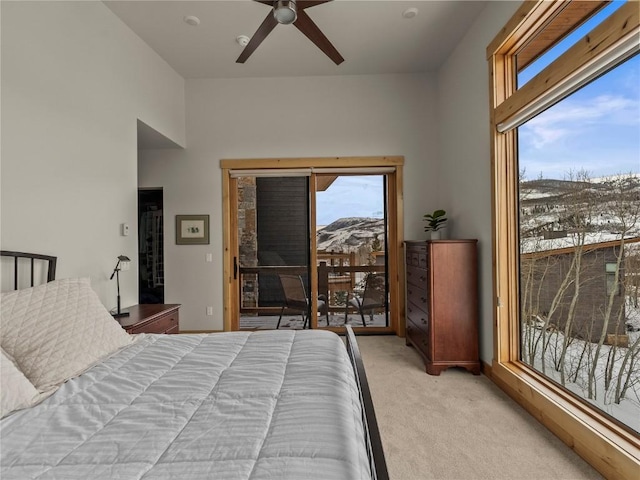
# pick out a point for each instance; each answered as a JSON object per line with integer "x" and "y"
{"x": 553, "y": 286}
{"x": 622, "y": 203}
{"x": 631, "y": 377}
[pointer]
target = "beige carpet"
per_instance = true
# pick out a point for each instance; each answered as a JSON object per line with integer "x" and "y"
{"x": 457, "y": 425}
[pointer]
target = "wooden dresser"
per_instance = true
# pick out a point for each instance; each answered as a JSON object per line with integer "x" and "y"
{"x": 442, "y": 303}
{"x": 152, "y": 318}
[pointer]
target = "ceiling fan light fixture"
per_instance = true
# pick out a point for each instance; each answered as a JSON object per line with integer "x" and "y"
{"x": 284, "y": 11}
{"x": 410, "y": 12}
{"x": 242, "y": 40}
{"x": 191, "y": 20}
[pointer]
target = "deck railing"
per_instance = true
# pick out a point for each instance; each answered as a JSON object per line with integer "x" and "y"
{"x": 331, "y": 279}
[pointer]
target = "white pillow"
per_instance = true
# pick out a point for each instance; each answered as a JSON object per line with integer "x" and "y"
{"x": 16, "y": 391}
{"x": 57, "y": 330}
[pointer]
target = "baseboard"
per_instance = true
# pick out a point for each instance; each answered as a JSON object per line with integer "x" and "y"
{"x": 201, "y": 331}
{"x": 486, "y": 369}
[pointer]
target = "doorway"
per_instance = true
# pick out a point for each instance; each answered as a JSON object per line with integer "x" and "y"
{"x": 272, "y": 217}
{"x": 150, "y": 246}
{"x": 276, "y": 234}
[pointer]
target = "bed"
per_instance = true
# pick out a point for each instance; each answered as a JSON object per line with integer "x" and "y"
{"x": 100, "y": 403}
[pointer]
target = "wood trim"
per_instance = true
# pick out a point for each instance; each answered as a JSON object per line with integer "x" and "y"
{"x": 235, "y": 292}
{"x": 616, "y": 452}
{"x": 229, "y": 296}
{"x": 622, "y": 24}
{"x": 528, "y": 19}
{"x": 558, "y": 27}
{"x": 612, "y": 450}
{"x": 395, "y": 266}
{"x": 401, "y": 300}
{"x": 486, "y": 368}
{"x": 313, "y": 244}
{"x": 323, "y": 162}
{"x": 502, "y": 73}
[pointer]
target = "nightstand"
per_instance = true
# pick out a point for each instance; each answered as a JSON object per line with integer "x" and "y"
{"x": 152, "y": 318}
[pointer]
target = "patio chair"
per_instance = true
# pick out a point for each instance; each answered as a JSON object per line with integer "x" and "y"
{"x": 373, "y": 298}
{"x": 295, "y": 298}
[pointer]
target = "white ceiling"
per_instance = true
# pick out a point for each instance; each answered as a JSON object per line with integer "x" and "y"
{"x": 371, "y": 35}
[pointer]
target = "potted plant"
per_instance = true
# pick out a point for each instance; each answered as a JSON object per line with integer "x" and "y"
{"x": 436, "y": 221}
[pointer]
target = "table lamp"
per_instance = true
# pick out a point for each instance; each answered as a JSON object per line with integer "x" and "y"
{"x": 116, "y": 272}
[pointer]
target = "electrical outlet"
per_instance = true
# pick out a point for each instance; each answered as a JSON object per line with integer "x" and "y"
{"x": 124, "y": 229}
{"x": 209, "y": 257}
{"x": 209, "y": 311}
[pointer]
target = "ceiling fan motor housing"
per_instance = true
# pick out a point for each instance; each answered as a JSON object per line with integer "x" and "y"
{"x": 284, "y": 11}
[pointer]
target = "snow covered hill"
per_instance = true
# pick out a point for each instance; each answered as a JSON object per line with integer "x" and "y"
{"x": 351, "y": 233}
{"x": 602, "y": 208}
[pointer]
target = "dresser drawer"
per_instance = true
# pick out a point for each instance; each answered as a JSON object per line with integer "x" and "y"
{"x": 418, "y": 337}
{"x": 416, "y": 334}
{"x": 173, "y": 330}
{"x": 417, "y": 296}
{"x": 417, "y": 255}
{"x": 162, "y": 324}
{"x": 418, "y": 316}
{"x": 417, "y": 276}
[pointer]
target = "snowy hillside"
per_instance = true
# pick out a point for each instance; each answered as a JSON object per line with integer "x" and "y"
{"x": 603, "y": 208}
{"x": 351, "y": 233}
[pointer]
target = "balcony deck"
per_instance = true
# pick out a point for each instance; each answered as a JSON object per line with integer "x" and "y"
{"x": 269, "y": 322}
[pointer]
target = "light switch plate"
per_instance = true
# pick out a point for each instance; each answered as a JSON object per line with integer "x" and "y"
{"x": 124, "y": 229}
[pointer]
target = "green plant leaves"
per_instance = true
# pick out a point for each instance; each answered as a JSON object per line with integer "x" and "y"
{"x": 435, "y": 221}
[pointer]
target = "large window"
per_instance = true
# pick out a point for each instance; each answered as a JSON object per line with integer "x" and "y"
{"x": 579, "y": 198}
{"x": 566, "y": 149}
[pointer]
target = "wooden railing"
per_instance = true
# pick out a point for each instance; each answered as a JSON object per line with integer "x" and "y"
{"x": 331, "y": 279}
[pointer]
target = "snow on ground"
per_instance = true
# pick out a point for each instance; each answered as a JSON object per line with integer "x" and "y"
{"x": 633, "y": 318}
{"x": 578, "y": 364}
{"x": 539, "y": 244}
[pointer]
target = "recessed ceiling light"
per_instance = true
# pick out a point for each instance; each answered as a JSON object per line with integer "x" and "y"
{"x": 191, "y": 20}
{"x": 410, "y": 12}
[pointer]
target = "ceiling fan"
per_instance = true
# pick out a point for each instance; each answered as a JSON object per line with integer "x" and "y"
{"x": 287, "y": 12}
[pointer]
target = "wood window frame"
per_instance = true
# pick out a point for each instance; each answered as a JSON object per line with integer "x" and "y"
{"x": 395, "y": 266}
{"x": 611, "y": 449}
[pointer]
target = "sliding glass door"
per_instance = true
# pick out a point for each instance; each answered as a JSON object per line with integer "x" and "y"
{"x": 311, "y": 248}
{"x": 273, "y": 251}
{"x": 351, "y": 242}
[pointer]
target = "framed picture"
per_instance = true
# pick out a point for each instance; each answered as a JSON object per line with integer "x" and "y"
{"x": 192, "y": 229}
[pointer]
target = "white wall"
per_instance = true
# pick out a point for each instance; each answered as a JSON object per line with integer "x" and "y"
{"x": 464, "y": 149}
{"x": 251, "y": 118}
{"x": 75, "y": 79}
{"x": 74, "y": 82}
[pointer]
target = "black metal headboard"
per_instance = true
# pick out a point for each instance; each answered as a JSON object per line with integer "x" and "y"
{"x": 32, "y": 257}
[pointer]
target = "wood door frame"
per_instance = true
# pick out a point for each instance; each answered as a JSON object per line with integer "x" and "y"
{"x": 395, "y": 266}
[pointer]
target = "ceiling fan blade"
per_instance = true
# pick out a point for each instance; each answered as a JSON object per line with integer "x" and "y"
{"x": 264, "y": 29}
{"x": 266, "y": 2}
{"x": 313, "y": 33}
{"x": 302, "y": 4}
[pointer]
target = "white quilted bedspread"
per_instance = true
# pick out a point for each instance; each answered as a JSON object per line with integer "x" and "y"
{"x": 265, "y": 405}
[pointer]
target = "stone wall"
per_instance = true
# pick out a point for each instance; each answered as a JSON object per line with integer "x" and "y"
{"x": 248, "y": 237}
